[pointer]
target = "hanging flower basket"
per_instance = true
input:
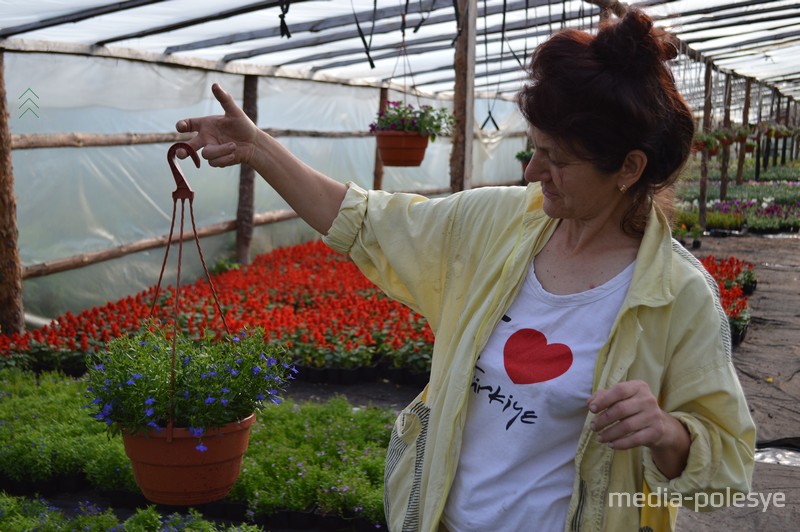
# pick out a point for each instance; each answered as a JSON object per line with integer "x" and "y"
{"x": 401, "y": 148}
{"x": 403, "y": 131}
{"x": 184, "y": 404}
{"x": 171, "y": 471}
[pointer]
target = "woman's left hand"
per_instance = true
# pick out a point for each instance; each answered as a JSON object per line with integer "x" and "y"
{"x": 628, "y": 416}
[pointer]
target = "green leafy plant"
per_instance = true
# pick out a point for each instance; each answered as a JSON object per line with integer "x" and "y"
{"x": 217, "y": 381}
{"x": 705, "y": 141}
{"x": 524, "y": 156}
{"x": 20, "y": 514}
{"x": 725, "y": 136}
{"x": 426, "y": 120}
{"x": 679, "y": 232}
{"x": 742, "y": 132}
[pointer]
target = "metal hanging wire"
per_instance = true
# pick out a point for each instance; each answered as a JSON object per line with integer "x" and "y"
{"x": 183, "y": 192}
{"x": 490, "y": 117}
{"x": 403, "y": 59}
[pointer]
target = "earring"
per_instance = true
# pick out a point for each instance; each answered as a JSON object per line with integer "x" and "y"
{"x": 623, "y": 188}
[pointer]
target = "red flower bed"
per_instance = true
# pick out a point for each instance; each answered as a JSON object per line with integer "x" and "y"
{"x": 306, "y": 296}
{"x": 733, "y": 277}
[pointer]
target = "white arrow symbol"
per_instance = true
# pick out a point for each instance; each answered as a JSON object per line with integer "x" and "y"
{"x": 27, "y": 91}
{"x": 26, "y": 101}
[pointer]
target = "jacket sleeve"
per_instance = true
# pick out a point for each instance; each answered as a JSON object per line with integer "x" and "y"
{"x": 400, "y": 242}
{"x": 701, "y": 389}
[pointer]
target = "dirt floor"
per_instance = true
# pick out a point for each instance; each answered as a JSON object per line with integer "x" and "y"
{"x": 768, "y": 363}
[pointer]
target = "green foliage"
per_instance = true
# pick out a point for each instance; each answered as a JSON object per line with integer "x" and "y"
{"x": 524, "y": 155}
{"x": 216, "y": 381}
{"x": 224, "y": 264}
{"x": 427, "y": 120}
{"x": 297, "y": 453}
{"x": 327, "y": 455}
{"x": 43, "y": 432}
{"x": 19, "y": 514}
{"x": 107, "y": 467}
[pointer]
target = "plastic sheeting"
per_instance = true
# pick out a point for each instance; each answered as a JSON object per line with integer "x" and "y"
{"x": 77, "y": 200}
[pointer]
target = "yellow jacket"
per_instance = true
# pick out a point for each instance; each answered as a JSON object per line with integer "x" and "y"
{"x": 460, "y": 261}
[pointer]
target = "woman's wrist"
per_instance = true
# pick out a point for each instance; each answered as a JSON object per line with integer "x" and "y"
{"x": 671, "y": 452}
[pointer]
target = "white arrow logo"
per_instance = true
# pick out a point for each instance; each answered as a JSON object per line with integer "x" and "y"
{"x": 28, "y": 104}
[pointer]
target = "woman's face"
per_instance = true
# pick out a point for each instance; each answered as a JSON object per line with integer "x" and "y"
{"x": 572, "y": 188}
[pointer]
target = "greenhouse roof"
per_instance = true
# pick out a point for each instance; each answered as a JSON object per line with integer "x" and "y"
{"x": 372, "y": 42}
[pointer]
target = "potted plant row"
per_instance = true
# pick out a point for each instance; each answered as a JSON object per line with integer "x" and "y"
{"x": 402, "y": 131}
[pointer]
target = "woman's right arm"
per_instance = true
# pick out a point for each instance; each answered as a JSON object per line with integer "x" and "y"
{"x": 233, "y": 138}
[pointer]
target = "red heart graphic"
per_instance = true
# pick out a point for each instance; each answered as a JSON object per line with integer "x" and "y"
{"x": 529, "y": 359}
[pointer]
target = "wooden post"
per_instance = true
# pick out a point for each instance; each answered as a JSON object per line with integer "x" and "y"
{"x": 786, "y": 140}
{"x": 745, "y": 122}
{"x": 246, "y": 204}
{"x": 12, "y": 316}
{"x": 464, "y": 97}
{"x": 758, "y": 136}
{"x": 704, "y": 157}
{"x": 777, "y": 121}
{"x": 377, "y": 174}
{"x": 767, "y": 138}
{"x": 795, "y": 139}
{"x": 726, "y": 150}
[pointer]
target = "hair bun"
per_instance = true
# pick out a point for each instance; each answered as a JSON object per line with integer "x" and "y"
{"x": 633, "y": 43}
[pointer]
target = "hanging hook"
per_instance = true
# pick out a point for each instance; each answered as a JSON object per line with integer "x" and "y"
{"x": 184, "y": 191}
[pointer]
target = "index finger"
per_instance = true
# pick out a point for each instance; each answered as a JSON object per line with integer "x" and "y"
{"x": 603, "y": 399}
{"x": 225, "y": 100}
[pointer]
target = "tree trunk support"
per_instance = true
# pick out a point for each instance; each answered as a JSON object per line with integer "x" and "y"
{"x": 464, "y": 98}
{"x": 377, "y": 173}
{"x": 704, "y": 158}
{"x": 247, "y": 176}
{"x": 745, "y": 122}
{"x": 726, "y": 149}
{"x": 12, "y": 316}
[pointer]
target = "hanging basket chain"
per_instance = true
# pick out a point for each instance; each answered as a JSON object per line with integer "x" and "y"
{"x": 183, "y": 192}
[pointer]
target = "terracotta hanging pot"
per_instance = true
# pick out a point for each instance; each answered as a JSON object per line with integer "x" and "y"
{"x": 175, "y": 473}
{"x": 401, "y": 148}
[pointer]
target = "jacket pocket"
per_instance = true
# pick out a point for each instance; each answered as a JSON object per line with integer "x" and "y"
{"x": 403, "y": 473}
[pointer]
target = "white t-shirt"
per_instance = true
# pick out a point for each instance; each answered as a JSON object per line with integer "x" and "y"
{"x": 527, "y": 406}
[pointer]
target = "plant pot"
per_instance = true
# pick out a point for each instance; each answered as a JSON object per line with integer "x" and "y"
{"x": 401, "y": 148}
{"x": 696, "y": 243}
{"x": 749, "y": 287}
{"x": 312, "y": 374}
{"x": 738, "y": 332}
{"x": 175, "y": 473}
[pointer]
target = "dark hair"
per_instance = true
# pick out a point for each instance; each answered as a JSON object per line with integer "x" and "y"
{"x": 605, "y": 95}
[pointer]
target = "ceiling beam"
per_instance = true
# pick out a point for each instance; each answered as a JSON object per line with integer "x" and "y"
{"x": 412, "y": 47}
{"x": 389, "y": 27}
{"x": 258, "y": 6}
{"x": 313, "y": 25}
{"x": 75, "y": 16}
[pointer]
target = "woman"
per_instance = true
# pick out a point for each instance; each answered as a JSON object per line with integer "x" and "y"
{"x": 580, "y": 352}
